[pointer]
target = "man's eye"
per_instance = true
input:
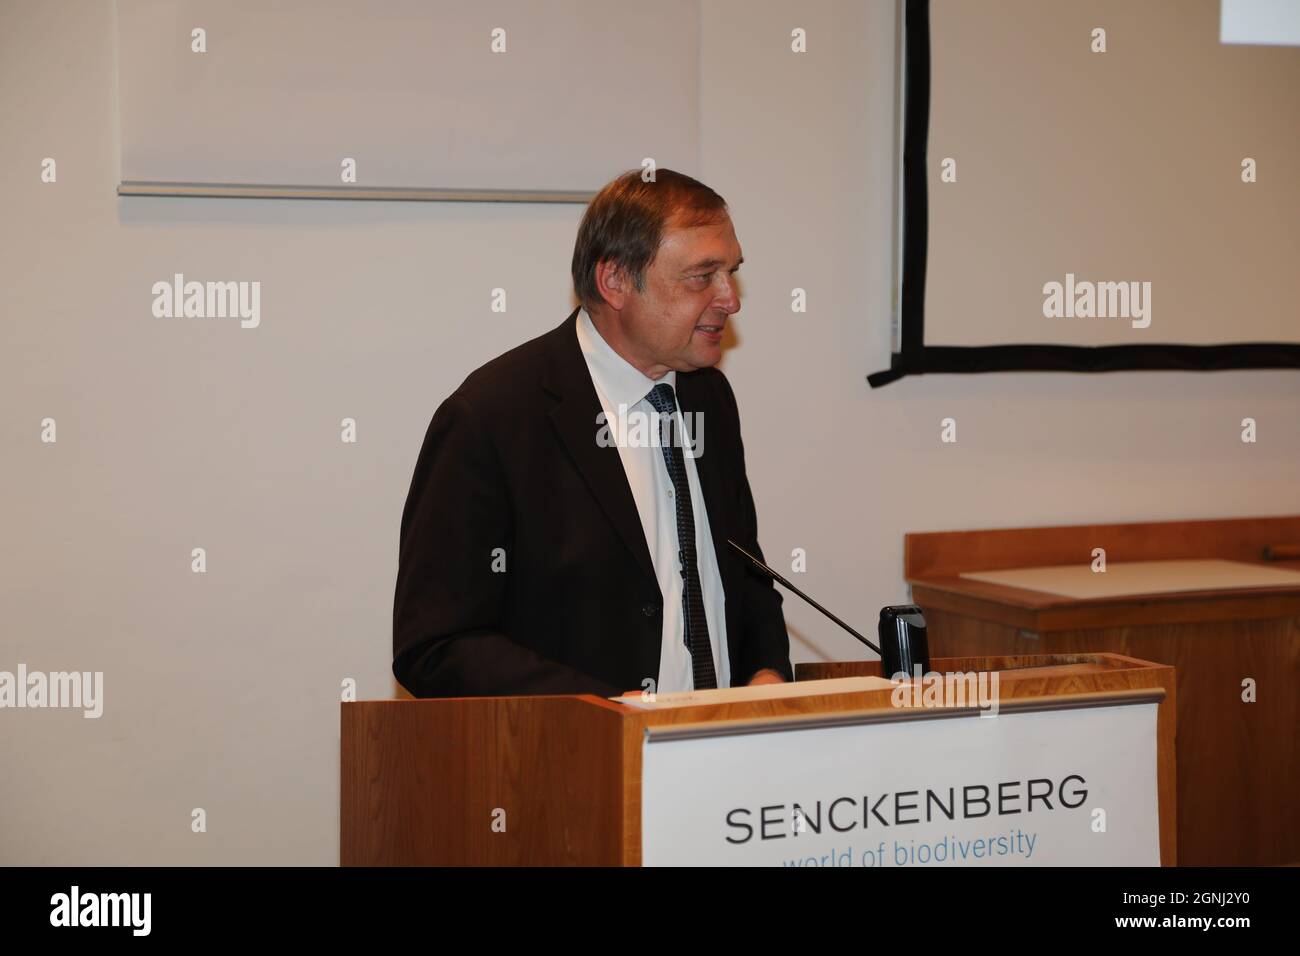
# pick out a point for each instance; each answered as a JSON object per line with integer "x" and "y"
{"x": 705, "y": 276}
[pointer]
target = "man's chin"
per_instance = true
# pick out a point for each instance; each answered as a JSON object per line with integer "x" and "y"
{"x": 699, "y": 363}
{"x": 706, "y": 355}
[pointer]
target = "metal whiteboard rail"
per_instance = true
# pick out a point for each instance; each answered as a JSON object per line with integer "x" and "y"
{"x": 382, "y": 193}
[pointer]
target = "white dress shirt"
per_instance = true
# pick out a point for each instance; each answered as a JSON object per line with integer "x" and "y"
{"x": 618, "y": 383}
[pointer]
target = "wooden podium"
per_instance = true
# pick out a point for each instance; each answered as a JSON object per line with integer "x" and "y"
{"x": 1238, "y": 763}
{"x": 422, "y": 781}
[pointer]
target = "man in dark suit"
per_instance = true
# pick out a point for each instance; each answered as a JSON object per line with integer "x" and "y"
{"x": 549, "y": 548}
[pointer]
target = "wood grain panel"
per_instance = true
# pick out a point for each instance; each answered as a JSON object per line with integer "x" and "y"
{"x": 422, "y": 780}
{"x": 1238, "y": 763}
{"x": 1035, "y": 610}
{"x": 947, "y": 553}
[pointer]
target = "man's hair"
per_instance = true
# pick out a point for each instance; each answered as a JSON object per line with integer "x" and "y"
{"x": 625, "y": 223}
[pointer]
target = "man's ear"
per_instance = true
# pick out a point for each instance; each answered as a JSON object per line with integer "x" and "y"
{"x": 613, "y": 283}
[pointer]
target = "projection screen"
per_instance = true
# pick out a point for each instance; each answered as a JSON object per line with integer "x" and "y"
{"x": 1095, "y": 185}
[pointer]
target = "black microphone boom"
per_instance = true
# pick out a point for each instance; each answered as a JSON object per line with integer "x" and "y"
{"x": 786, "y": 584}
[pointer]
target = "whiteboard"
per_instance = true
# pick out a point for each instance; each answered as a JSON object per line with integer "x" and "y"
{"x": 1260, "y": 21}
{"x": 411, "y": 90}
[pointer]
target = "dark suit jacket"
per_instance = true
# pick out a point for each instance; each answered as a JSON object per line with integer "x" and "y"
{"x": 511, "y": 462}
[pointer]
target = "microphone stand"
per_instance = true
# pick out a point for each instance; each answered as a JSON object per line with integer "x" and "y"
{"x": 786, "y": 584}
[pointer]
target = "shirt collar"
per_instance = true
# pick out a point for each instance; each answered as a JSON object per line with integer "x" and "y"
{"x": 618, "y": 380}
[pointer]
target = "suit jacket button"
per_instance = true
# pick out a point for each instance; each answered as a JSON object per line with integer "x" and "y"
{"x": 650, "y": 610}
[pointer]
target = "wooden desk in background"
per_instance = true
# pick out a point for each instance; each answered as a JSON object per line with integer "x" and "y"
{"x": 1238, "y": 763}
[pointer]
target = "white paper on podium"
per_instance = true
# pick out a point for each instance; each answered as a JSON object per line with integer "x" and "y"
{"x": 1126, "y": 578}
{"x": 728, "y": 695}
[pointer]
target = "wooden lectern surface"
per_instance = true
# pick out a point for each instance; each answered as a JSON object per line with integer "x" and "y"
{"x": 557, "y": 780}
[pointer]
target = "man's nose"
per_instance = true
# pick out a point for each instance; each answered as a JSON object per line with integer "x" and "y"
{"x": 728, "y": 298}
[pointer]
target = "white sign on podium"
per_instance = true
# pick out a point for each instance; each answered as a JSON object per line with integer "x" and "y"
{"x": 1043, "y": 787}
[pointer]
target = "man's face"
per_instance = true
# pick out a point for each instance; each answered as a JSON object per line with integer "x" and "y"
{"x": 677, "y": 321}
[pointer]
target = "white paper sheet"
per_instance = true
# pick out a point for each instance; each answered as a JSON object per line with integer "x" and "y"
{"x": 1121, "y": 579}
{"x": 803, "y": 688}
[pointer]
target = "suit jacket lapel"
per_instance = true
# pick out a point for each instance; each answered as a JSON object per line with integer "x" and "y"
{"x": 574, "y": 420}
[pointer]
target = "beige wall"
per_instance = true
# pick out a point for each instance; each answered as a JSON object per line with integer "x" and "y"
{"x": 222, "y": 688}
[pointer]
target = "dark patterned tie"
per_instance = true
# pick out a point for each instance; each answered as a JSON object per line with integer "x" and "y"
{"x": 697, "y": 625}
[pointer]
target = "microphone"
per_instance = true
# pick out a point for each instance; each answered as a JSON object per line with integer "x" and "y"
{"x": 902, "y": 628}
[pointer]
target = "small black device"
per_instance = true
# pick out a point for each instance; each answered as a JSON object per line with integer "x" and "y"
{"x": 904, "y": 648}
